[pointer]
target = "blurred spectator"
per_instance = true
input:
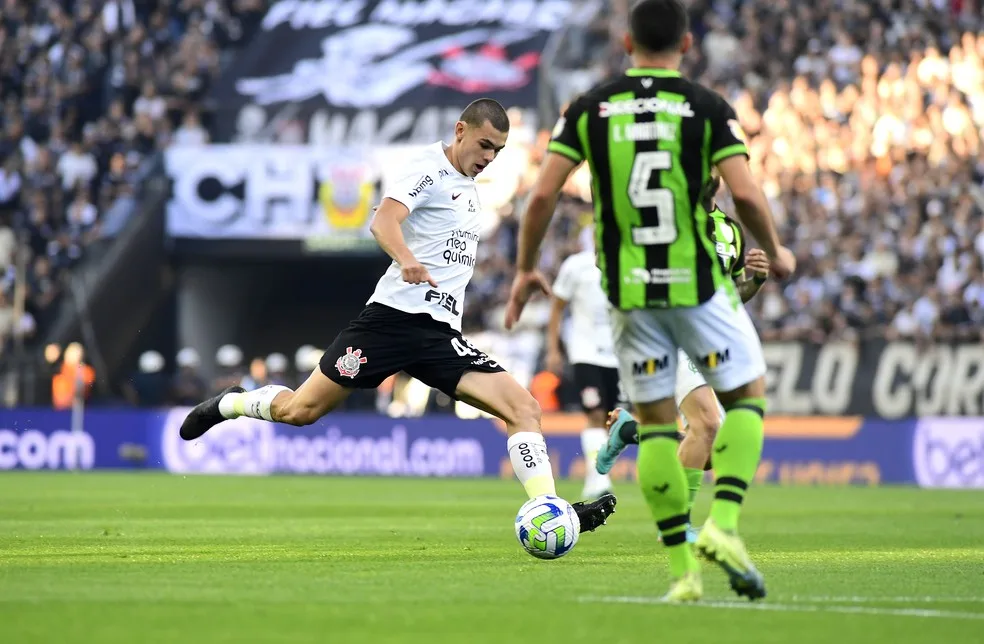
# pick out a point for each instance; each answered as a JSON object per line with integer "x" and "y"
{"x": 229, "y": 368}
{"x": 257, "y": 376}
{"x": 864, "y": 123}
{"x": 277, "y": 365}
{"x": 75, "y": 378}
{"x": 89, "y": 90}
{"x": 148, "y": 386}
{"x": 188, "y": 387}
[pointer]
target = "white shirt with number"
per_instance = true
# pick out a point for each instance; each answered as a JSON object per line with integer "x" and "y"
{"x": 579, "y": 282}
{"x": 442, "y": 232}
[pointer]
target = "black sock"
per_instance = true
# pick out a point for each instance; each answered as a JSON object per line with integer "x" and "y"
{"x": 629, "y": 432}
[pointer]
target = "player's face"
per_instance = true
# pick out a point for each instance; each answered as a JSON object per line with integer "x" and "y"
{"x": 478, "y": 146}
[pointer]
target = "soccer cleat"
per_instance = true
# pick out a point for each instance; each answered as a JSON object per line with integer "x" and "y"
{"x": 688, "y": 588}
{"x": 205, "y": 416}
{"x": 610, "y": 451}
{"x": 593, "y": 514}
{"x": 727, "y": 550}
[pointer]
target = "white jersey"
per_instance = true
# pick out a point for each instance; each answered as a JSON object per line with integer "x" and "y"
{"x": 579, "y": 282}
{"x": 442, "y": 232}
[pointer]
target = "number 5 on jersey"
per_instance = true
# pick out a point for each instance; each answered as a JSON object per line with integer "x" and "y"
{"x": 642, "y": 196}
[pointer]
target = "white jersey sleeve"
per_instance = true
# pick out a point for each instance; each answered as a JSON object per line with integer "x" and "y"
{"x": 566, "y": 283}
{"x": 590, "y": 338}
{"x": 413, "y": 189}
{"x": 442, "y": 231}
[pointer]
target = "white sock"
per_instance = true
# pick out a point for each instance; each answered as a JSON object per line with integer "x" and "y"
{"x": 528, "y": 455}
{"x": 255, "y": 404}
{"x": 593, "y": 440}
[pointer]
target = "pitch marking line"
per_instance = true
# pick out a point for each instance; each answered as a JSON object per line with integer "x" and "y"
{"x": 818, "y": 606}
{"x": 883, "y": 600}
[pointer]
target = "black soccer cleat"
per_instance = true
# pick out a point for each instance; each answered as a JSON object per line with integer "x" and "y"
{"x": 205, "y": 416}
{"x": 593, "y": 514}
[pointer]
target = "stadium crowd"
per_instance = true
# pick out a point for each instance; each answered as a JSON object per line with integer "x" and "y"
{"x": 864, "y": 119}
{"x": 865, "y": 124}
{"x": 89, "y": 89}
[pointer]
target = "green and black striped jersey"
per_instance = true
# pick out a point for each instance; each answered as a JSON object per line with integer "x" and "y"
{"x": 650, "y": 138}
{"x": 729, "y": 244}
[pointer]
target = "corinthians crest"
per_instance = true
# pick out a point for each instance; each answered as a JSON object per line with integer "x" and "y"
{"x": 349, "y": 364}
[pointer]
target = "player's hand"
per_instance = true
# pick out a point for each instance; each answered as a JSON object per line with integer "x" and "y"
{"x": 525, "y": 284}
{"x": 555, "y": 362}
{"x": 784, "y": 263}
{"x": 415, "y": 273}
{"x": 758, "y": 262}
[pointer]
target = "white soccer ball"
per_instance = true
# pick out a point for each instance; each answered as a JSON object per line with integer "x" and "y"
{"x": 547, "y": 527}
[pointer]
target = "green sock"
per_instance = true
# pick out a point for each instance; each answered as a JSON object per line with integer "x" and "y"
{"x": 664, "y": 486}
{"x": 694, "y": 478}
{"x": 736, "y": 454}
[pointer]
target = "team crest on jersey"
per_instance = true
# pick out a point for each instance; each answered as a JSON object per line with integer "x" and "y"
{"x": 349, "y": 364}
{"x": 559, "y": 127}
{"x": 736, "y": 130}
{"x": 590, "y": 397}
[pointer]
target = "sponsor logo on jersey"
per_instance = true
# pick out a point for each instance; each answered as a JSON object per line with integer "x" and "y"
{"x": 714, "y": 360}
{"x": 443, "y": 173}
{"x": 445, "y": 300}
{"x": 648, "y": 105}
{"x": 659, "y": 276}
{"x": 348, "y": 365}
{"x": 423, "y": 183}
{"x": 651, "y": 366}
{"x": 736, "y": 130}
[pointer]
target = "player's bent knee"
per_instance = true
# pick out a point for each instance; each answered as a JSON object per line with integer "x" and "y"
{"x": 753, "y": 389}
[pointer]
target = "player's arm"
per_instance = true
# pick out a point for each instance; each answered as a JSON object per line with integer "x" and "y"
{"x": 406, "y": 194}
{"x": 750, "y": 287}
{"x": 385, "y": 227}
{"x": 749, "y": 281}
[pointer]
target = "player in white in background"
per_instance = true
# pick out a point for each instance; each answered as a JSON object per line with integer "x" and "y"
{"x": 429, "y": 223}
{"x": 591, "y": 353}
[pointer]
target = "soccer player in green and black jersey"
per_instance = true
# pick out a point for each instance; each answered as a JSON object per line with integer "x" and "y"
{"x": 701, "y": 412}
{"x": 651, "y": 139}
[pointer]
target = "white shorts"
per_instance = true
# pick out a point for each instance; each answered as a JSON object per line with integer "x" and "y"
{"x": 718, "y": 334}
{"x": 688, "y": 380}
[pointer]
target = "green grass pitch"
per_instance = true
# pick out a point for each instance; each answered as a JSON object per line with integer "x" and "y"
{"x": 155, "y": 558}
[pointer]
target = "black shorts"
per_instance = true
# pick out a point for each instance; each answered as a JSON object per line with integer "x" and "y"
{"x": 597, "y": 387}
{"x": 383, "y": 341}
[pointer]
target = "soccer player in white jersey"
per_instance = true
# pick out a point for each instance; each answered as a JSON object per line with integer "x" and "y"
{"x": 591, "y": 353}
{"x": 429, "y": 223}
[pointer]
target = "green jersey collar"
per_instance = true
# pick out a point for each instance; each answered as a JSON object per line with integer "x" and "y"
{"x": 659, "y": 72}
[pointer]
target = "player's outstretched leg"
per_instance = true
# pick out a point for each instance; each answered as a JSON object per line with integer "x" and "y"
{"x": 205, "y": 415}
{"x": 312, "y": 400}
{"x": 499, "y": 394}
{"x": 622, "y": 431}
{"x": 596, "y": 484}
{"x": 735, "y": 458}
{"x": 664, "y": 487}
{"x": 702, "y": 414}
